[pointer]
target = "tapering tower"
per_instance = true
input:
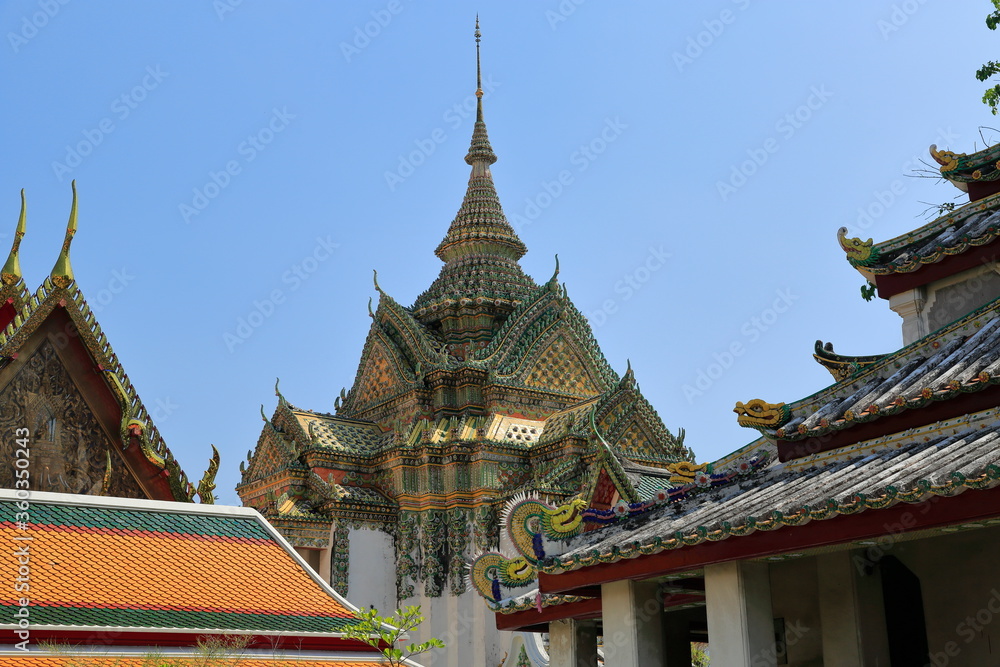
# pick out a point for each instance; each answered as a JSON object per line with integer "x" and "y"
{"x": 489, "y": 385}
{"x": 481, "y": 282}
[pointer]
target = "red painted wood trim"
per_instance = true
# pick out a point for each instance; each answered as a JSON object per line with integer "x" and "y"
{"x": 113, "y": 637}
{"x": 935, "y": 411}
{"x": 894, "y": 283}
{"x": 936, "y": 512}
{"x": 580, "y": 610}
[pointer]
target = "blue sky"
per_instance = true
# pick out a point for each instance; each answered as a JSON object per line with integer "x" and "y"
{"x": 252, "y": 162}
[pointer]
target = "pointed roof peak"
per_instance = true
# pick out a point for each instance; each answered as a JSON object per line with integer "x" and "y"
{"x": 480, "y": 151}
{"x": 481, "y": 249}
{"x": 62, "y": 272}
{"x": 11, "y": 272}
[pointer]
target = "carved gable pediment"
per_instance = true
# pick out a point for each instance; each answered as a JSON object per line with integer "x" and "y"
{"x": 560, "y": 367}
{"x": 68, "y": 448}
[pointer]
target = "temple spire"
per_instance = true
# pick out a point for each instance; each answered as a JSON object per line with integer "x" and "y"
{"x": 62, "y": 272}
{"x": 481, "y": 154}
{"x": 481, "y": 249}
{"x": 479, "y": 76}
{"x": 11, "y": 272}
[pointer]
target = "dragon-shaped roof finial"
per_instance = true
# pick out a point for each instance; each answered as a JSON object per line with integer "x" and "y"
{"x": 207, "y": 484}
{"x": 62, "y": 272}
{"x": 10, "y": 274}
{"x": 277, "y": 392}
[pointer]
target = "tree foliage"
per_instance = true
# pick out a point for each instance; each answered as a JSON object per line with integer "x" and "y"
{"x": 991, "y": 97}
{"x": 387, "y": 633}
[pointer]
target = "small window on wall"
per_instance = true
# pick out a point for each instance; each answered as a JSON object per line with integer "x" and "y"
{"x": 780, "y": 643}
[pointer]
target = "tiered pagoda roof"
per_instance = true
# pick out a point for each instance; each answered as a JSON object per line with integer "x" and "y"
{"x": 481, "y": 249}
{"x": 961, "y": 238}
{"x": 840, "y": 466}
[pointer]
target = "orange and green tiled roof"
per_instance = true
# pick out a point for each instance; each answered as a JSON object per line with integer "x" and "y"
{"x": 161, "y": 566}
{"x": 112, "y": 660}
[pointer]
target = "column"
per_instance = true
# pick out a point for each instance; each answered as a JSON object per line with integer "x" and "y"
{"x": 740, "y": 620}
{"x": 910, "y": 306}
{"x": 632, "y": 613}
{"x": 851, "y": 611}
{"x": 572, "y": 643}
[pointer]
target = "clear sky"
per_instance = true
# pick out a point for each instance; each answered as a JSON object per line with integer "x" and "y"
{"x": 244, "y": 165}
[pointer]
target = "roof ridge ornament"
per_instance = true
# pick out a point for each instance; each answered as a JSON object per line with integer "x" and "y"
{"x": 62, "y": 272}
{"x": 11, "y": 272}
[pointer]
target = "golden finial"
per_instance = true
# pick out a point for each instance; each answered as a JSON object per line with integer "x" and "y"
{"x": 479, "y": 76}
{"x": 11, "y": 272}
{"x": 62, "y": 272}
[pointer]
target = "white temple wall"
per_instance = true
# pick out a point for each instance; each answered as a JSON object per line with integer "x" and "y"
{"x": 927, "y": 308}
{"x": 465, "y": 625}
{"x": 371, "y": 574}
{"x": 960, "y": 585}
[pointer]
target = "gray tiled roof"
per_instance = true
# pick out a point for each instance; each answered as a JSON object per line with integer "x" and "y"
{"x": 957, "y": 455}
{"x": 962, "y": 359}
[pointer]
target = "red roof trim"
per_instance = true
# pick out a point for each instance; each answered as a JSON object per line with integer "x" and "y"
{"x": 961, "y": 404}
{"x": 522, "y": 620}
{"x": 114, "y": 637}
{"x": 936, "y": 512}
{"x": 894, "y": 283}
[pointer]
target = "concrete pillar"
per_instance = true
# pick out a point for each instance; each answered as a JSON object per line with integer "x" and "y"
{"x": 740, "y": 620}
{"x": 572, "y": 644}
{"x": 632, "y": 613}
{"x": 910, "y": 306}
{"x": 851, "y": 611}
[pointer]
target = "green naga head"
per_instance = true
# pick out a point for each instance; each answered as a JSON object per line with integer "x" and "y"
{"x": 859, "y": 253}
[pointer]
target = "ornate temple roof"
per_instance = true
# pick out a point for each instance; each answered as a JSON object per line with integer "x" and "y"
{"x": 345, "y": 435}
{"x": 974, "y": 224}
{"x": 943, "y": 460}
{"x": 480, "y": 250}
{"x": 842, "y": 366}
{"x": 104, "y": 567}
{"x": 59, "y": 308}
{"x": 963, "y": 169}
{"x": 960, "y": 360}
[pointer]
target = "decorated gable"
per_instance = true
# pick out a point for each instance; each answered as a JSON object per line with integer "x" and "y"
{"x": 70, "y": 452}
{"x": 560, "y": 367}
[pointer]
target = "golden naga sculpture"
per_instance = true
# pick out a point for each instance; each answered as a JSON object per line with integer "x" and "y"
{"x": 530, "y": 521}
{"x": 684, "y": 472}
{"x": 762, "y": 415}
{"x": 947, "y": 159}
{"x": 858, "y": 252}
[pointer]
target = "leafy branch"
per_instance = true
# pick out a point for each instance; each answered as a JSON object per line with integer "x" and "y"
{"x": 991, "y": 97}
{"x": 386, "y": 633}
